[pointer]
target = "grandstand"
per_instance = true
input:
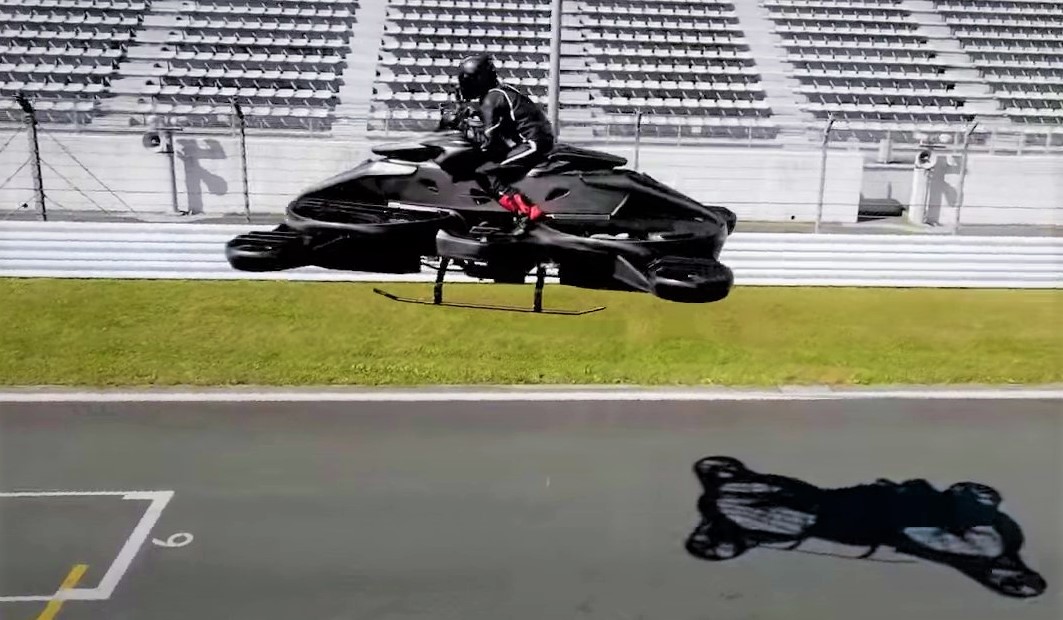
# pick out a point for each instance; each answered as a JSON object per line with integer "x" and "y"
{"x": 693, "y": 68}
{"x": 1017, "y": 48}
{"x": 682, "y": 63}
{"x": 64, "y": 54}
{"x": 282, "y": 60}
{"x": 424, "y": 39}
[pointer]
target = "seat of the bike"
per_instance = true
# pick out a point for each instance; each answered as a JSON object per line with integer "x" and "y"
{"x": 562, "y": 157}
{"x": 567, "y": 157}
{"x": 406, "y": 151}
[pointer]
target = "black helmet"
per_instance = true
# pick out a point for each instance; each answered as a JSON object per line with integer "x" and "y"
{"x": 476, "y": 76}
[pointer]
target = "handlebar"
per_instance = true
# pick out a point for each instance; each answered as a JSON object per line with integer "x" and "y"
{"x": 459, "y": 115}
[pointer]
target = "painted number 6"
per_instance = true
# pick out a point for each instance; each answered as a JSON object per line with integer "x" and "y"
{"x": 179, "y": 539}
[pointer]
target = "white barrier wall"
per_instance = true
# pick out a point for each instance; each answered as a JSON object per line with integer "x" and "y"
{"x": 116, "y": 173}
{"x": 760, "y": 184}
{"x": 139, "y": 180}
{"x": 998, "y": 189}
{"x": 197, "y": 251}
{"x": 1013, "y": 190}
{"x": 81, "y": 170}
{"x": 886, "y": 187}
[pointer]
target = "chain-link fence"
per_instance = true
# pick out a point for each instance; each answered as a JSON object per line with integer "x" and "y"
{"x": 678, "y": 130}
{"x": 248, "y": 165}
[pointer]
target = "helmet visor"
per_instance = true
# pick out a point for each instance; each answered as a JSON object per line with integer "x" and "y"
{"x": 471, "y": 86}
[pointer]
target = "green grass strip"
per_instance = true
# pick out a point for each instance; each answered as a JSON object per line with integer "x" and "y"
{"x": 137, "y": 333}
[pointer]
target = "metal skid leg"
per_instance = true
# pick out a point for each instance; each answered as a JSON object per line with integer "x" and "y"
{"x": 540, "y": 282}
{"x": 437, "y": 296}
{"x": 441, "y": 273}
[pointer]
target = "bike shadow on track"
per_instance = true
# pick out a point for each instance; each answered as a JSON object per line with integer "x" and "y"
{"x": 961, "y": 527}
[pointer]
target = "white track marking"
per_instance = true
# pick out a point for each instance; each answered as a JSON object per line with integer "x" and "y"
{"x": 118, "y": 568}
{"x": 132, "y": 545}
{"x": 180, "y": 539}
{"x": 529, "y": 395}
{"x": 63, "y": 493}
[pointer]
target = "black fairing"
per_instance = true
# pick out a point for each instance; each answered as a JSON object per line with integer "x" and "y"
{"x": 566, "y": 158}
{"x": 412, "y": 152}
{"x": 439, "y": 172}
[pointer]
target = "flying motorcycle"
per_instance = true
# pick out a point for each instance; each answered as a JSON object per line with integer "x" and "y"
{"x": 415, "y": 202}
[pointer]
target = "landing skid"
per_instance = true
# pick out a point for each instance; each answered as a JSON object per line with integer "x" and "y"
{"x": 437, "y": 297}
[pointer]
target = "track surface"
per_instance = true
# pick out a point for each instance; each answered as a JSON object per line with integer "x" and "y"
{"x": 496, "y": 510}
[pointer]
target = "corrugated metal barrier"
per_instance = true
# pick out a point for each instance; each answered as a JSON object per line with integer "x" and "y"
{"x": 196, "y": 251}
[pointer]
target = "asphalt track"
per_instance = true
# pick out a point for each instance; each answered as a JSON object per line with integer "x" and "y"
{"x": 466, "y": 510}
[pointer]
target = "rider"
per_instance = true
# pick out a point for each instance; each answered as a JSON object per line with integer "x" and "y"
{"x": 516, "y": 135}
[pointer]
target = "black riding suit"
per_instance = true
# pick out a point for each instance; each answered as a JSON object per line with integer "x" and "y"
{"x": 516, "y": 137}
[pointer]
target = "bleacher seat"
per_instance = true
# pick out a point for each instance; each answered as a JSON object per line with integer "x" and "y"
{"x": 682, "y": 63}
{"x": 280, "y": 59}
{"x": 63, "y": 54}
{"x": 677, "y": 57}
{"x": 862, "y": 60}
{"x": 425, "y": 39}
{"x": 1017, "y": 47}
{"x": 687, "y": 65}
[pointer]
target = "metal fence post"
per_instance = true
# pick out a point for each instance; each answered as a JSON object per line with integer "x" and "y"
{"x": 638, "y": 136}
{"x": 823, "y": 172}
{"x": 554, "y": 88}
{"x": 167, "y": 144}
{"x": 35, "y": 155}
{"x": 241, "y": 125}
{"x": 963, "y": 176}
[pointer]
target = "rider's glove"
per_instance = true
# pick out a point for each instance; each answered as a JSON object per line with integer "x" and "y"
{"x": 473, "y": 129}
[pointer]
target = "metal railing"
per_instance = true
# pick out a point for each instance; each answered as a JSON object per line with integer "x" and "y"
{"x": 637, "y": 126}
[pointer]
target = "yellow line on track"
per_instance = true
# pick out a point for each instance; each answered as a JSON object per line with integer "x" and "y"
{"x": 72, "y": 579}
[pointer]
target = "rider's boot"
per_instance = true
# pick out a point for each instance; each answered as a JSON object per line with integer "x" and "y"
{"x": 528, "y": 208}
{"x": 526, "y": 211}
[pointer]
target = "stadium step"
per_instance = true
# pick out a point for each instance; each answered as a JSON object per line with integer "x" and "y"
{"x": 977, "y": 95}
{"x": 919, "y": 6}
{"x": 356, "y": 93}
{"x": 775, "y": 74}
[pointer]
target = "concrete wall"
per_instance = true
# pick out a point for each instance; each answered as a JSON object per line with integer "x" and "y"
{"x": 760, "y": 184}
{"x": 999, "y": 189}
{"x": 757, "y": 184}
{"x": 886, "y": 188}
{"x": 117, "y": 174}
{"x": 1015, "y": 190}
